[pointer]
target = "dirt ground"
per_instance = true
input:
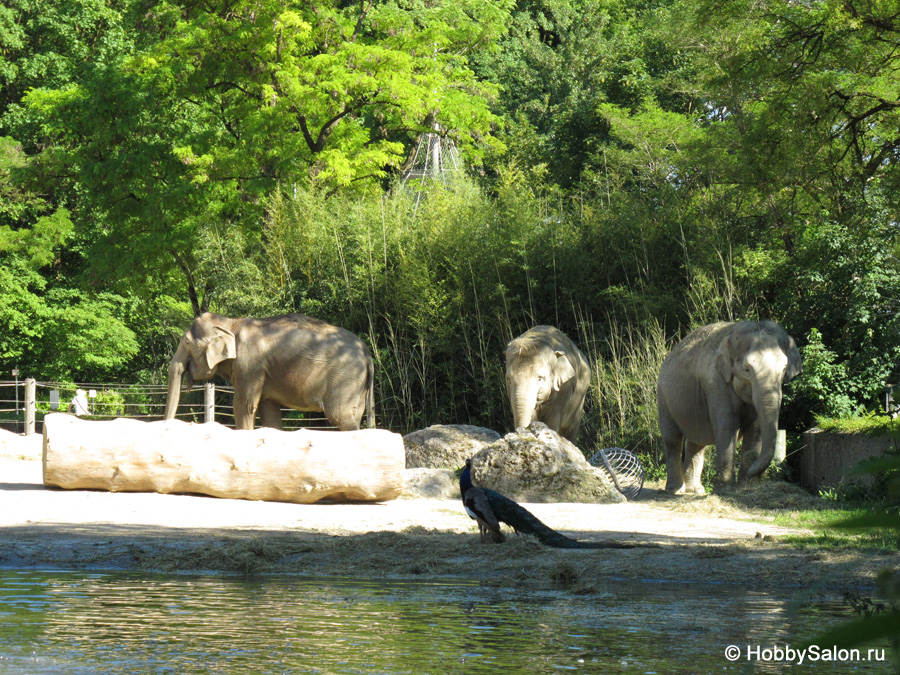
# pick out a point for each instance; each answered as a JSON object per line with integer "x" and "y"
{"x": 695, "y": 540}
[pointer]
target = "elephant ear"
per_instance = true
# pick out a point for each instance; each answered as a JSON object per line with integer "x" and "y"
{"x": 723, "y": 360}
{"x": 221, "y": 347}
{"x": 794, "y": 365}
{"x": 563, "y": 371}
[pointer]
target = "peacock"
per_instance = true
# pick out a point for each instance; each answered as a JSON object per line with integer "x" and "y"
{"x": 475, "y": 502}
{"x": 489, "y": 508}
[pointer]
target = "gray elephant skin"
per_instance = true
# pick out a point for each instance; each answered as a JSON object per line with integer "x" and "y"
{"x": 721, "y": 383}
{"x": 547, "y": 378}
{"x": 292, "y": 360}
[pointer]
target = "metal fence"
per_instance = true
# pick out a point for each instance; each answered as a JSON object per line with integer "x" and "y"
{"x": 24, "y": 403}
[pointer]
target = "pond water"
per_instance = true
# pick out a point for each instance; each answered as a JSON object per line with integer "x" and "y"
{"x": 69, "y": 623}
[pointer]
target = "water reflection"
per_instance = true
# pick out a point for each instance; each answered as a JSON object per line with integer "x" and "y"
{"x": 70, "y": 623}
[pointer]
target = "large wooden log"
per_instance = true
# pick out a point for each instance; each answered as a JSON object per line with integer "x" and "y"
{"x": 266, "y": 464}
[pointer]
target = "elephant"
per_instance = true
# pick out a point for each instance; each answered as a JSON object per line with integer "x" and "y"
{"x": 291, "y": 360}
{"x": 720, "y": 383}
{"x": 547, "y": 378}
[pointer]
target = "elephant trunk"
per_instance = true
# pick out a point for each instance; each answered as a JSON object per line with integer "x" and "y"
{"x": 768, "y": 405}
{"x": 176, "y": 371}
{"x": 524, "y": 403}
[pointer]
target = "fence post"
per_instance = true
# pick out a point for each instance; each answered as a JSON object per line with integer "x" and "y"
{"x": 209, "y": 401}
{"x": 30, "y": 403}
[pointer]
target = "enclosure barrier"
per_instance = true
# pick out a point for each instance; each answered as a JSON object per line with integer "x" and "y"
{"x": 25, "y": 403}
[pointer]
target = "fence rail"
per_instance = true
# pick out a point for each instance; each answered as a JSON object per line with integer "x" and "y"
{"x": 24, "y": 403}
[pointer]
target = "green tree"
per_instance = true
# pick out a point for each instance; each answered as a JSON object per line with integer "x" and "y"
{"x": 58, "y": 334}
{"x": 234, "y": 100}
{"x": 562, "y": 61}
{"x": 50, "y": 44}
{"x": 27, "y": 227}
{"x": 800, "y": 134}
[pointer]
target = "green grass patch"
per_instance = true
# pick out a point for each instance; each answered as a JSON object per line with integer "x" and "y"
{"x": 830, "y": 531}
{"x": 871, "y": 425}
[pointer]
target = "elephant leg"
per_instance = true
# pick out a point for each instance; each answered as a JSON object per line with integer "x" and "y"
{"x": 673, "y": 440}
{"x": 344, "y": 411}
{"x": 751, "y": 447}
{"x": 247, "y": 395}
{"x": 552, "y": 417}
{"x": 569, "y": 428}
{"x": 270, "y": 414}
{"x": 343, "y": 421}
{"x": 726, "y": 432}
{"x": 570, "y": 432}
{"x": 694, "y": 456}
{"x": 674, "y": 470}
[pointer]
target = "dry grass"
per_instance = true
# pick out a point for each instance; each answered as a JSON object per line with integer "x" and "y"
{"x": 413, "y": 552}
{"x": 712, "y": 506}
{"x": 423, "y": 552}
{"x": 747, "y": 501}
{"x": 243, "y": 555}
{"x": 773, "y": 494}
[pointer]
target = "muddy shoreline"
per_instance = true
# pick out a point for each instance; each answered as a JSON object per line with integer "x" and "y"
{"x": 696, "y": 541}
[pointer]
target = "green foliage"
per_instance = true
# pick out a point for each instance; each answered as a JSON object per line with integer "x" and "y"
{"x": 334, "y": 87}
{"x": 823, "y": 386}
{"x": 788, "y": 173}
{"x": 571, "y": 64}
{"x": 869, "y": 424}
{"x": 51, "y": 44}
{"x": 405, "y": 278}
{"x": 27, "y": 230}
{"x": 85, "y": 334}
{"x": 440, "y": 282}
{"x": 108, "y": 403}
{"x": 58, "y": 334}
{"x": 22, "y": 310}
{"x": 204, "y": 110}
{"x": 623, "y": 389}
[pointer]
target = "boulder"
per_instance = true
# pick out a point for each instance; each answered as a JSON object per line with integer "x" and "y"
{"x": 430, "y": 484}
{"x": 446, "y": 445}
{"x": 535, "y": 464}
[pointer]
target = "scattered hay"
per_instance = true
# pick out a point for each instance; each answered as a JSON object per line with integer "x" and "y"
{"x": 523, "y": 546}
{"x": 773, "y": 494}
{"x": 717, "y": 551}
{"x": 564, "y": 572}
{"x": 743, "y": 501}
{"x": 242, "y": 555}
{"x": 711, "y": 506}
{"x": 420, "y": 552}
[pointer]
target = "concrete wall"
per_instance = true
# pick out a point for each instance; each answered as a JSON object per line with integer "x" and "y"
{"x": 827, "y": 459}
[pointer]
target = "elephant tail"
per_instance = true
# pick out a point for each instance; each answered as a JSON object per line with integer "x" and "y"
{"x": 370, "y": 394}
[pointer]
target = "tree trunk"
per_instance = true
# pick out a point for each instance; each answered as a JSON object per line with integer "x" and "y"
{"x": 264, "y": 464}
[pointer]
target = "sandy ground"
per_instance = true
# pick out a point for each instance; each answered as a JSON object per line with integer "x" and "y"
{"x": 676, "y": 539}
